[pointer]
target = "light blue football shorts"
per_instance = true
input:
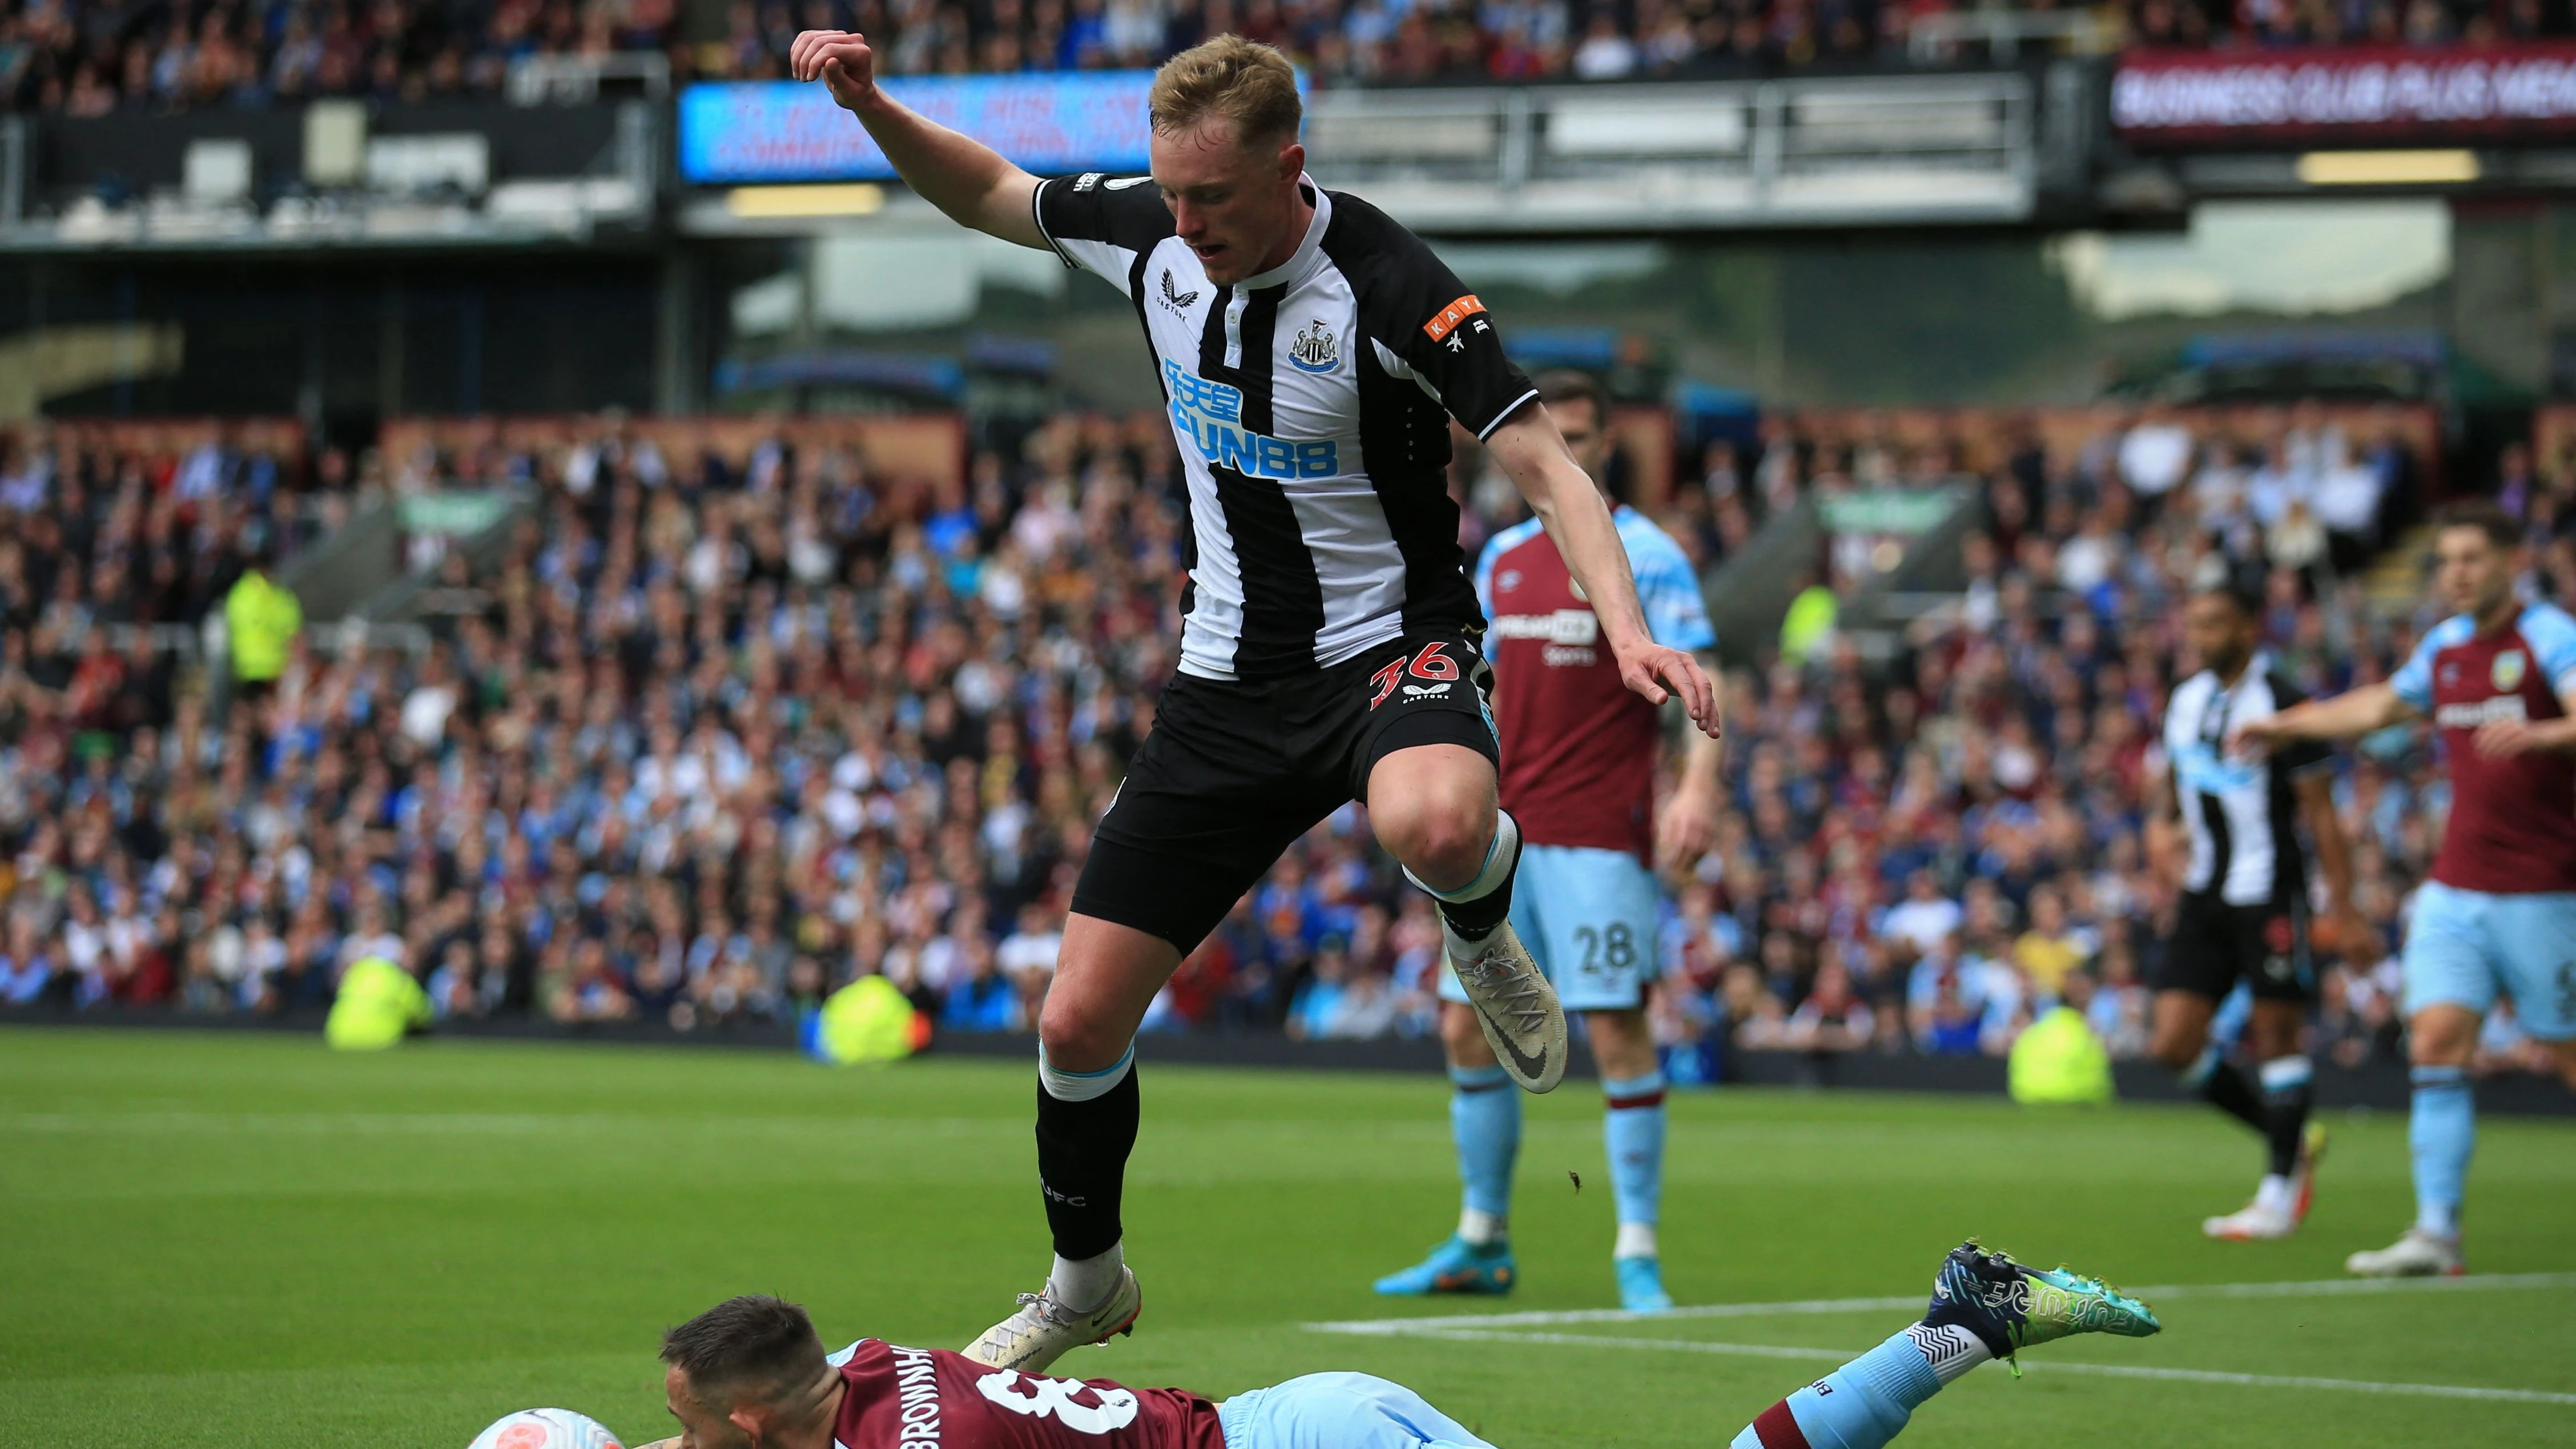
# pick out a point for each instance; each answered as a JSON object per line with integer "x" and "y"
{"x": 1339, "y": 1411}
{"x": 2463, "y": 947}
{"x": 1590, "y": 918}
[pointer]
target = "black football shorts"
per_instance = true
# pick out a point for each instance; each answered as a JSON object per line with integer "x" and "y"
{"x": 1234, "y": 771}
{"x": 2216, "y": 944}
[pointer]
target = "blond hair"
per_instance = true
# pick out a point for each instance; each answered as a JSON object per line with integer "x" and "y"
{"x": 1244, "y": 81}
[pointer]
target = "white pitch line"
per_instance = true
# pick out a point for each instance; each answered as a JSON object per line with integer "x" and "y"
{"x": 2167, "y": 1292}
{"x": 2102, "y": 1370}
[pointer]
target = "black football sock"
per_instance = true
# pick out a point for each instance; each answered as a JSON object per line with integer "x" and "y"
{"x": 2289, "y": 1093}
{"x": 2222, "y": 1086}
{"x": 1475, "y": 920}
{"x": 1476, "y": 909}
{"x": 1082, "y": 1158}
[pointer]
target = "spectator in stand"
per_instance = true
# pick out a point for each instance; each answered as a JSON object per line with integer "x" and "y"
{"x": 744, "y": 716}
{"x": 1925, "y": 917}
{"x": 86, "y": 59}
{"x": 1833, "y": 1018}
{"x": 2052, "y": 947}
{"x": 2155, "y": 457}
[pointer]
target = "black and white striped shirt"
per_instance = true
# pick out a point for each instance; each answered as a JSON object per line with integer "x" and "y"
{"x": 2239, "y": 813}
{"x": 1311, "y": 403}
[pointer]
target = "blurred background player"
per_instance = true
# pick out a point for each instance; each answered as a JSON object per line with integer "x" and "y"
{"x": 2498, "y": 681}
{"x": 1579, "y": 775}
{"x": 2244, "y": 915}
{"x": 751, "y": 1372}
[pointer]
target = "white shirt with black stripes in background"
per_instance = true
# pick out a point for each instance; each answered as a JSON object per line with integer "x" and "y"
{"x": 1311, "y": 404}
{"x": 2240, "y": 814}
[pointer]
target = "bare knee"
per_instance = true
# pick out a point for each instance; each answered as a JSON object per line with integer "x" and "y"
{"x": 1433, "y": 808}
{"x": 2278, "y": 1030}
{"x": 1622, "y": 1046}
{"x": 1446, "y": 845}
{"x": 2443, "y": 1036}
{"x": 2181, "y": 1029}
{"x": 2174, "y": 1047}
{"x": 1078, "y": 1040}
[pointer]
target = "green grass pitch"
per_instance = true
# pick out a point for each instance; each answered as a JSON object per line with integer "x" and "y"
{"x": 226, "y": 1240}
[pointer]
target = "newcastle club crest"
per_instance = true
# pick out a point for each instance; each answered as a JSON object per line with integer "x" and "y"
{"x": 1314, "y": 349}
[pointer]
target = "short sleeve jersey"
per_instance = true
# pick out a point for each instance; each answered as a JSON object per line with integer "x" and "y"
{"x": 930, "y": 1398}
{"x": 2241, "y": 815}
{"x": 1312, "y": 404}
{"x": 2513, "y": 821}
{"x": 1578, "y": 744}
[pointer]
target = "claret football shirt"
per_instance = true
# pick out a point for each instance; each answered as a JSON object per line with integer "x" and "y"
{"x": 930, "y": 1398}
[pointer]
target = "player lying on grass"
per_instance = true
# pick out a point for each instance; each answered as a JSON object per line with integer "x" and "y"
{"x": 750, "y": 1372}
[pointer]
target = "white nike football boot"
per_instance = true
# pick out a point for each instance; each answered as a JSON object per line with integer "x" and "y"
{"x": 1514, "y": 1003}
{"x": 2418, "y": 1254}
{"x": 2256, "y": 1222}
{"x": 2281, "y": 1204}
{"x": 1040, "y": 1333}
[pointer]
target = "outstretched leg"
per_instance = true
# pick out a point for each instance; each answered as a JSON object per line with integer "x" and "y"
{"x": 1984, "y": 1306}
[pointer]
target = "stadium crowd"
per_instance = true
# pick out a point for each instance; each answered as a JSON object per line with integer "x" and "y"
{"x": 89, "y": 59}
{"x": 717, "y": 732}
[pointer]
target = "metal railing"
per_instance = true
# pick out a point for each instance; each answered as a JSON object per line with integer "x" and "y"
{"x": 1931, "y": 39}
{"x": 1805, "y": 151}
{"x": 573, "y": 80}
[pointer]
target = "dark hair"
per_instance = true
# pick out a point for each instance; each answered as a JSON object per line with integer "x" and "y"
{"x": 2482, "y": 514}
{"x": 1566, "y": 385}
{"x": 753, "y": 1346}
{"x": 2241, "y": 595}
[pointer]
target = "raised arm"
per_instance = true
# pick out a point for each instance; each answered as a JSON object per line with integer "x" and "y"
{"x": 1533, "y": 455}
{"x": 2354, "y": 712}
{"x": 961, "y": 176}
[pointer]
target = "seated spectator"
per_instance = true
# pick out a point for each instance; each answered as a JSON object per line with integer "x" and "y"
{"x": 2119, "y": 1005}
{"x": 2052, "y": 946}
{"x": 1924, "y": 917}
{"x": 27, "y": 969}
{"x": 1752, "y": 1011}
{"x": 981, "y": 998}
{"x": 2155, "y": 455}
{"x": 1833, "y": 1018}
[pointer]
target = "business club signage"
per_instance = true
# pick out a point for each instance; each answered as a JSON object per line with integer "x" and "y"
{"x": 2376, "y": 95}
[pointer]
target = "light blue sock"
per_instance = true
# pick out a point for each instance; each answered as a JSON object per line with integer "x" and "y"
{"x": 1485, "y": 1120}
{"x": 1864, "y": 1403}
{"x": 2442, "y": 1131}
{"x": 1632, "y": 1128}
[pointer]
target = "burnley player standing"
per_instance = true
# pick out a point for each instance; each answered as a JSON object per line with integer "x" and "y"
{"x": 2498, "y": 681}
{"x": 1579, "y": 775}
{"x": 1313, "y": 353}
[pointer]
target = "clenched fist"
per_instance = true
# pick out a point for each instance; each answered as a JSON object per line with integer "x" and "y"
{"x": 841, "y": 60}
